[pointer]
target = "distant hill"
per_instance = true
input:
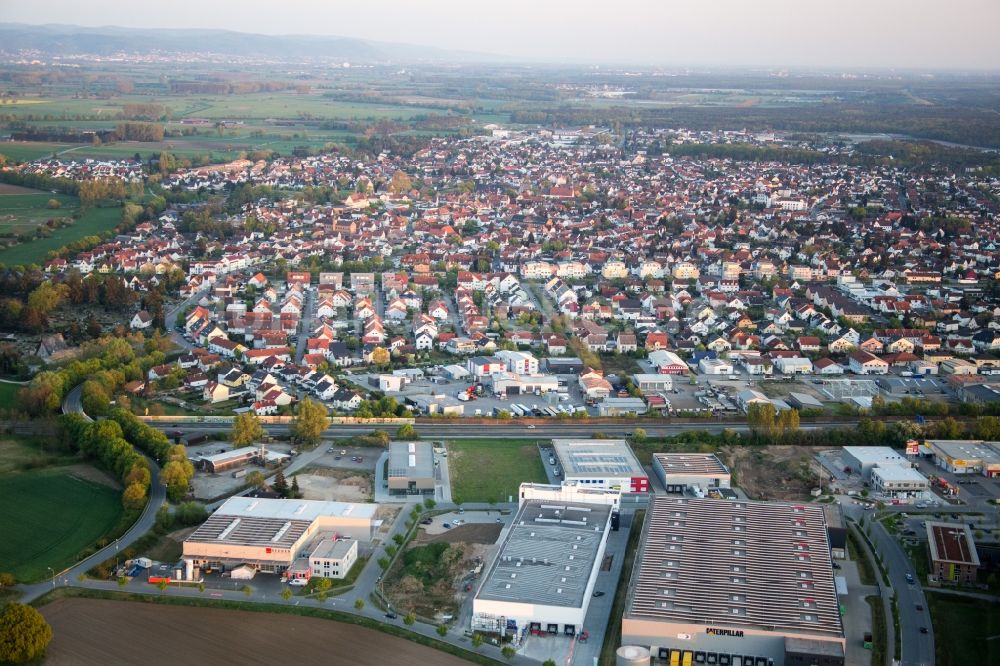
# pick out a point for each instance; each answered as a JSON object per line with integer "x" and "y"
{"x": 107, "y": 40}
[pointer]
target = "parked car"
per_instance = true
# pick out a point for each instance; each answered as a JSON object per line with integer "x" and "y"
{"x": 447, "y": 526}
{"x": 909, "y": 578}
{"x": 391, "y": 616}
{"x": 598, "y": 593}
{"x": 298, "y": 582}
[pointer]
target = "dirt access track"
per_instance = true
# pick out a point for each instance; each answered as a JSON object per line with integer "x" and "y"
{"x": 97, "y": 631}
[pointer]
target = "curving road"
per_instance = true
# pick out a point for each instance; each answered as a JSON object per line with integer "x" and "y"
{"x": 157, "y": 496}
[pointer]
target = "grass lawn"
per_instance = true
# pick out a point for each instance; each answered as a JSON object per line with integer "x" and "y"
{"x": 485, "y": 470}
{"x": 963, "y": 629}
{"x": 8, "y": 395}
{"x": 27, "y": 209}
{"x": 93, "y": 222}
{"x": 49, "y": 517}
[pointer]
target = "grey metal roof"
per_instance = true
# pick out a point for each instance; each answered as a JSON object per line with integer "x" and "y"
{"x": 548, "y": 554}
{"x": 597, "y": 458}
{"x": 411, "y": 459}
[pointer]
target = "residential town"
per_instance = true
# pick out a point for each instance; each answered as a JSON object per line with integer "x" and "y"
{"x": 509, "y": 265}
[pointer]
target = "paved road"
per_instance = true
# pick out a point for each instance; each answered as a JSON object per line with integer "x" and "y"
{"x": 306, "y": 325}
{"x": 917, "y": 649}
{"x": 158, "y": 495}
{"x": 170, "y": 317}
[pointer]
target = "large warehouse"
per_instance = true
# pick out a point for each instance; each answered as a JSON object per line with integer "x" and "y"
{"x": 601, "y": 463}
{"x": 699, "y": 472}
{"x": 734, "y": 583}
{"x": 966, "y": 456}
{"x": 269, "y": 534}
{"x": 544, "y": 575}
{"x": 411, "y": 468}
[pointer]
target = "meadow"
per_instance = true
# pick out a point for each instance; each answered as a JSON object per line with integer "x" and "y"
{"x": 23, "y": 209}
{"x": 49, "y": 518}
{"x": 92, "y": 222}
{"x": 486, "y": 470}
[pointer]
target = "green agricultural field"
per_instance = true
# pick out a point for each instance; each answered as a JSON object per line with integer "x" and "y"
{"x": 487, "y": 470}
{"x": 49, "y": 517}
{"x": 25, "y": 151}
{"x": 22, "y": 210}
{"x": 94, "y": 221}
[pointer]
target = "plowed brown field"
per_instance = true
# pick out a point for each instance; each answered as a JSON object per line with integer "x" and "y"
{"x": 96, "y": 631}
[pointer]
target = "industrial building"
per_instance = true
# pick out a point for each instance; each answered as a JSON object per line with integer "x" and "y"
{"x": 568, "y": 491}
{"x": 653, "y": 383}
{"x": 966, "y": 456}
{"x": 700, "y": 473}
{"x": 333, "y": 557}
{"x": 953, "y": 554}
{"x": 411, "y": 468}
{"x": 544, "y": 574}
{"x": 897, "y": 482}
{"x": 270, "y": 534}
{"x": 601, "y": 463}
{"x": 723, "y": 582}
{"x": 862, "y": 459}
{"x": 217, "y": 463}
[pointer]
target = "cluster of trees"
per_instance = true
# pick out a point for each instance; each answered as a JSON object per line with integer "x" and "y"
{"x": 184, "y": 514}
{"x": 24, "y": 634}
{"x": 94, "y": 192}
{"x": 310, "y": 422}
{"x": 385, "y": 406}
{"x": 144, "y": 111}
{"x": 177, "y": 469}
{"x": 104, "y": 441}
{"x": 764, "y": 418}
{"x": 44, "y": 394}
{"x": 138, "y": 131}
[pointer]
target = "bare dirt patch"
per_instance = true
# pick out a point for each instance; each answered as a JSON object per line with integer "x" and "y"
{"x": 773, "y": 472}
{"x": 88, "y": 473}
{"x": 335, "y": 485}
{"x": 483, "y": 533}
{"x": 6, "y": 188}
{"x": 95, "y": 631}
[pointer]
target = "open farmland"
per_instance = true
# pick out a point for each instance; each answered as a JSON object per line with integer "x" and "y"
{"x": 49, "y": 517}
{"x": 92, "y": 222}
{"x": 90, "y": 631}
{"x": 490, "y": 470}
{"x": 23, "y": 209}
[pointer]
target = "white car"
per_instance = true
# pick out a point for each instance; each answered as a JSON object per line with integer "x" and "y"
{"x": 298, "y": 582}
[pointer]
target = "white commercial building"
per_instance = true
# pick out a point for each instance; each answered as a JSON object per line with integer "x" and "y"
{"x": 653, "y": 383}
{"x": 544, "y": 574}
{"x": 568, "y": 491}
{"x": 601, "y": 463}
{"x": 715, "y": 366}
{"x": 862, "y": 459}
{"x": 699, "y": 472}
{"x": 793, "y": 366}
{"x": 333, "y": 558}
{"x": 898, "y": 482}
{"x": 271, "y": 534}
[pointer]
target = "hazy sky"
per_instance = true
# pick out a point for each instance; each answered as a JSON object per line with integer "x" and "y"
{"x": 787, "y": 33}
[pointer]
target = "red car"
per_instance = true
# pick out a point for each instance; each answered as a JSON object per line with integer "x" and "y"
{"x": 584, "y": 635}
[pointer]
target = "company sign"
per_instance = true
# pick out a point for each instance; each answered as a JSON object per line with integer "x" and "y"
{"x": 732, "y": 633}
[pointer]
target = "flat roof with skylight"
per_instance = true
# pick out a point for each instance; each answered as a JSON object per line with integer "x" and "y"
{"x": 599, "y": 458}
{"x": 549, "y": 554}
